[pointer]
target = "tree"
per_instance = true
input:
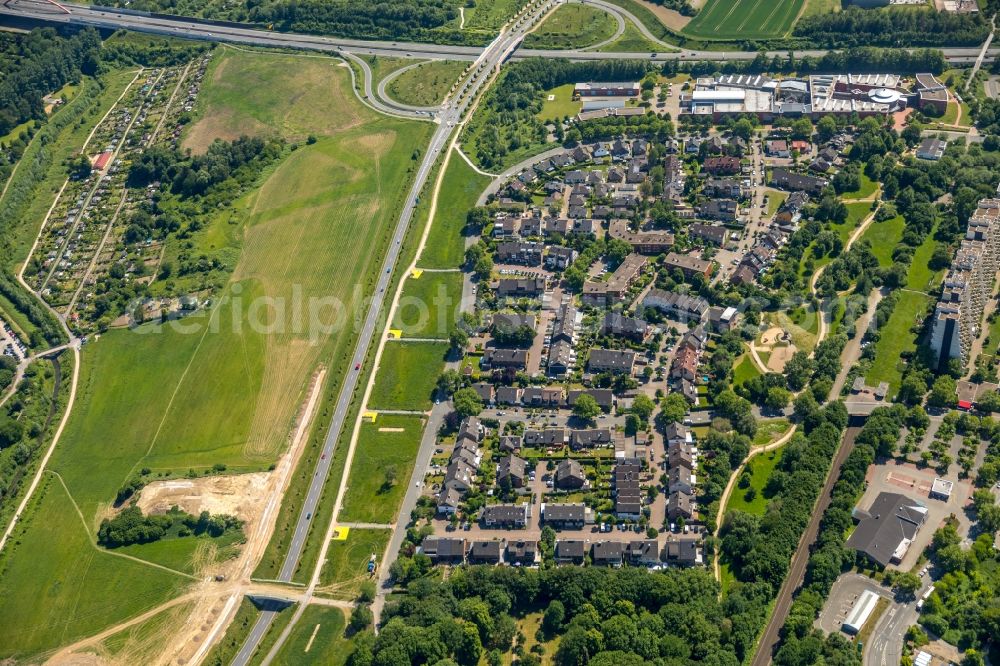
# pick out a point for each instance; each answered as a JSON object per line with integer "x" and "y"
{"x": 467, "y": 402}
{"x": 449, "y": 381}
{"x": 458, "y": 339}
{"x": 777, "y": 398}
{"x": 642, "y": 406}
{"x": 942, "y": 392}
{"x": 826, "y": 128}
{"x": 79, "y": 168}
{"x": 361, "y": 618}
{"x": 586, "y": 408}
{"x": 554, "y": 616}
{"x": 907, "y": 583}
{"x": 798, "y": 369}
{"x": 673, "y": 408}
{"x": 470, "y": 647}
{"x": 616, "y": 250}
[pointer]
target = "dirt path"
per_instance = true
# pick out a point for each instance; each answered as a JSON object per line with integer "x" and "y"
{"x": 732, "y": 483}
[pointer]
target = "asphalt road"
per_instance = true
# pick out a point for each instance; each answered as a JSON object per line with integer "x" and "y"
{"x": 107, "y": 17}
{"x": 797, "y": 570}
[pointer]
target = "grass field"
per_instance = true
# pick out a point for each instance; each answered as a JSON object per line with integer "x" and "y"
{"x": 632, "y": 41}
{"x": 253, "y": 93}
{"x": 227, "y": 393}
{"x": 461, "y": 188}
{"x": 760, "y": 467}
{"x": 884, "y": 237}
{"x": 142, "y": 643}
{"x": 317, "y": 638}
{"x": 774, "y": 200}
{"x": 920, "y": 276}
{"x": 236, "y": 634}
{"x": 572, "y": 27}
{"x": 867, "y": 188}
{"x": 562, "y": 104}
{"x": 489, "y": 15}
{"x": 407, "y": 375}
{"x": 346, "y": 565}
{"x": 770, "y": 430}
{"x": 56, "y": 586}
{"x": 429, "y": 305}
{"x": 382, "y": 464}
{"x": 744, "y": 19}
{"x": 427, "y": 83}
{"x": 896, "y": 338}
{"x": 745, "y": 369}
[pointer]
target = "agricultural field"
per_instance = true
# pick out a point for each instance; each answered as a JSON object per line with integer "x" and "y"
{"x": 429, "y": 305}
{"x": 346, "y": 567}
{"x": 572, "y": 27}
{"x": 221, "y": 387}
{"x": 381, "y": 468}
{"x": 744, "y": 19}
{"x": 407, "y": 375}
{"x": 427, "y": 84}
{"x": 445, "y": 247}
{"x": 317, "y": 638}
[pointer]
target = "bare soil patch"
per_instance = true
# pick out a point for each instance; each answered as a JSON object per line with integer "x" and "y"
{"x": 238, "y": 495}
{"x": 669, "y": 17}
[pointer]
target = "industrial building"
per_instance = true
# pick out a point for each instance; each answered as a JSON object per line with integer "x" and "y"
{"x": 861, "y": 611}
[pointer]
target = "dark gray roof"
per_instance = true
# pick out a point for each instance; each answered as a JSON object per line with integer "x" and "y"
{"x": 891, "y": 519}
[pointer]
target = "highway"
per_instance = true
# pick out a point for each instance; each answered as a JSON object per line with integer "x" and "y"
{"x": 450, "y": 115}
{"x": 110, "y": 18}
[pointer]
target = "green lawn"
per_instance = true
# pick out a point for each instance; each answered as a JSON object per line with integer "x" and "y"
{"x": 562, "y": 104}
{"x": 57, "y": 587}
{"x": 445, "y": 247}
{"x": 896, "y": 338}
{"x": 572, "y": 27}
{"x": 633, "y": 41}
{"x": 346, "y": 565}
{"x": 760, "y": 467}
{"x": 745, "y": 369}
{"x": 774, "y": 200}
{"x": 744, "y": 19}
{"x": 381, "y": 468}
{"x": 407, "y": 375}
{"x": 429, "y": 305}
{"x": 868, "y": 187}
{"x": 317, "y": 638}
{"x": 920, "y": 276}
{"x": 770, "y": 430}
{"x": 884, "y": 238}
{"x": 488, "y": 15}
{"x": 427, "y": 84}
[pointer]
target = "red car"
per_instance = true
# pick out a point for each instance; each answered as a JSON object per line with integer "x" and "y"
{"x": 357, "y": 366}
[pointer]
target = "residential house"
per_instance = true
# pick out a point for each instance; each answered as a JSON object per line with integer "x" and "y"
{"x": 505, "y": 516}
{"x": 559, "y": 258}
{"x": 607, "y": 553}
{"x": 722, "y": 165}
{"x": 643, "y": 553}
{"x": 688, "y": 265}
{"x": 510, "y": 443}
{"x": 725, "y": 210}
{"x": 522, "y": 553}
{"x": 521, "y": 287}
{"x": 515, "y": 359}
{"x": 588, "y": 439}
{"x": 618, "y": 325}
{"x": 680, "y": 480}
{"x": 565, "y": 516}
{"x": 570, "y": 551}
{"x": 569, "y": 475}
{"x": 518, "y": 252}
{"x": 603, "y": 397}
{"x": 543, "y": 396}
{"x": 789, "y": 180}
{"x": 548, "y": 438}
{"x": 484, "y": 552}
{"x": 611, "y": 360}
{"x": 683, "y": 550}
{"x": 680, "y": 505}
{"x": 444, "y": 550}
{"x": 710, "y": 233}
{"x": 512, "y": 471}
{"x": 679, "y": 307}
{"x": 598, "y": 293}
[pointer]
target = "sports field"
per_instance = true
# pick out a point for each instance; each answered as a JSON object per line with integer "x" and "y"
{"x": 228, "y": 390}
{"x": 744, "y": 19}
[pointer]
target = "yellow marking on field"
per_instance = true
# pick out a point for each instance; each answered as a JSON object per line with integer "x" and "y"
{"x": 312, "y": 638}
{"x": 340, "y": 533}
{"x": 392, "y": 429}
{"x": 395, "y": 334}
{"x": 370, "y": 416}
{"x": 416, "y": 273}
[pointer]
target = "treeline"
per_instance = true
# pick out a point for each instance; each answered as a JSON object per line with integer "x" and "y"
{"x": 683, "y": 7}
{"x": 893, "y": 27}
{"x": 45, "y": 62}
{"x": 759, "y": 549}
{"x": 191, "y": 176}
{"x": 385, "y": 19}
{"x": 855, "y": 59}
{"x": 602, "y": 617}
{"x": 149, "y": 51}
{"x": 131, "y": 526}
{"x": 830, "y": 557}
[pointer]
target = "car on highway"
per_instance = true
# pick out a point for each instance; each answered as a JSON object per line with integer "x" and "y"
{"x": 357, "y": 366}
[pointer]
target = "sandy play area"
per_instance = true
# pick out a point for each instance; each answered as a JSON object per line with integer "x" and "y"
{"x": 777, "y": 343}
